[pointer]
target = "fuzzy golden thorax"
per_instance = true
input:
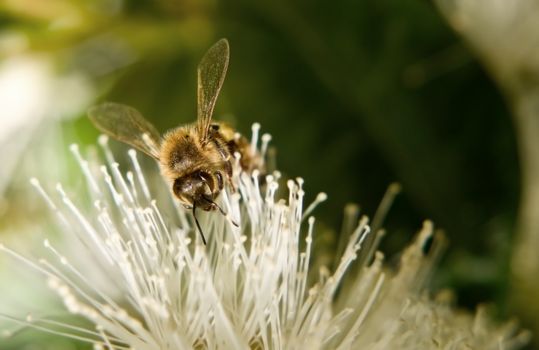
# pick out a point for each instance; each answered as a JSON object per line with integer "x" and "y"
{"x": 196, "y": 168}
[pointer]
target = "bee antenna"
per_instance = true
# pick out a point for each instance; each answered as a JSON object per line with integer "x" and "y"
{"x": 198, "y": 225}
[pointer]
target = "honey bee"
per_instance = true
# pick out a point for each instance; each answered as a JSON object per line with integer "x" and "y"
{"x": 196, "y": 158}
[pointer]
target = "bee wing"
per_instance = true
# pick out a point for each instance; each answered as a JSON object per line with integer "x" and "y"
{"x": 126, "y": 124}
{"x": 211, "y": 74}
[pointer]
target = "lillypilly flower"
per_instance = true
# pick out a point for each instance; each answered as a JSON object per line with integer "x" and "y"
{"x": 250, "y": 287}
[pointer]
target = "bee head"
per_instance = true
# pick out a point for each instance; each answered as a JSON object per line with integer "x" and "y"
{"x": 196, "y": 189}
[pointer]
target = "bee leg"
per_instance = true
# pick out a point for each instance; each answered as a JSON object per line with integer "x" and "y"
{"x": 232, "y": 187}
{"x": 228, "y": 169}
{"x": 220, "y": 210}
{"x": 215, "y": 205}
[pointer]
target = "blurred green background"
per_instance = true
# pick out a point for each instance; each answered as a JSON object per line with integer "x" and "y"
{"x": 356, "y": 94}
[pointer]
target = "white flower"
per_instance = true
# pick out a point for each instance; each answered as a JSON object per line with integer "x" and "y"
{"x": 249, "y": 288}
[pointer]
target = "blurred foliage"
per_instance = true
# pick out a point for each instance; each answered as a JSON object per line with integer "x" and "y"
{"x": 356, "y": 94}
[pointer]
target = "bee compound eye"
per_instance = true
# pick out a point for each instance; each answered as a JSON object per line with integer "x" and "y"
{"x": 207, "y": 180}
{"x": 204, "y": 175}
